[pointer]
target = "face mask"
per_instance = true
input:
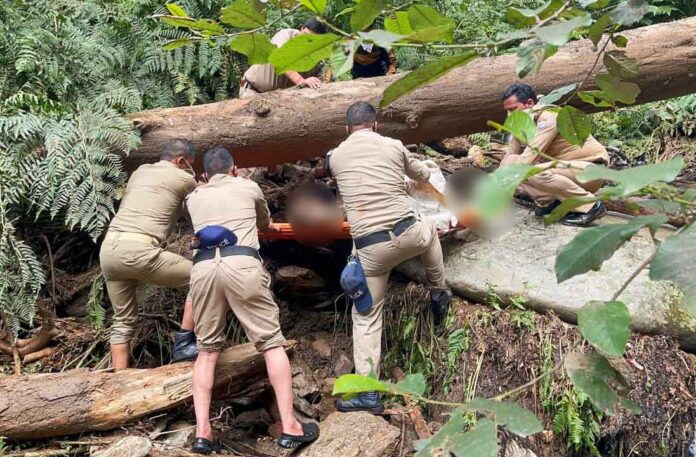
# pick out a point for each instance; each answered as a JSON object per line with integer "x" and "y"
{"x": 367, "y": 47}
{"x": 184, "y": 165}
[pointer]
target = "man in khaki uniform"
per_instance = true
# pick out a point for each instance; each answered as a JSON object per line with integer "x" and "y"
{"x": 261, "y": 78}
{"x": 131, "y": 250}
{"x": 370, "y": 171}
{"x": 554, "y": 185}
{"x": 230, "y": 275}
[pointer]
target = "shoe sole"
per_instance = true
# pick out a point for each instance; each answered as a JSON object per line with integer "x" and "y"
{"x": 185, "y": 359}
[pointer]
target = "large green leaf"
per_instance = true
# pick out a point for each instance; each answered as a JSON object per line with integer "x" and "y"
{"x": 202, "y": 25}
{"x": 522, "y": 17}
{"x": 596, "y": 378}
{"x": 518, "y": 420}
{"x": 342, "y": 56}
{"x": 616, "y": 89}
{"x": 592, "y": 246}
{"x": 256, "y": 46}
{"x": 597, "y": 30}
{"x": 432, "y": 34}
{"x": 303, "y": 52}
{"x": 493, "y": 192}
{"x": 431, "y": 23}
{"x": 574, "y": 125}
{"x": 676, "y": 261}
{"x": 355, "y": 383}
{"x": 520, "y": 124}
{"x": 631, "y": 180}
{"x": 412, "y": 384}
{"x": 365, "y": 12}
{"x": 424, "y": 75}
{"x": 557, "y": 94}
{"x": 621, "y": 66}
{"x": 176, "y": 10}
{"x": 531, "y": 56}
{"x": 480, "y": 442}
{"x": 399, "y": 24}
{"x": 607, "y": 325}
{"x": 243, "y": 14}
{"x": 381, "y": 38}
{"x": 315, "y": 6}
{"x": 559, "y": 34}
{"x": 178, "y": 43}
{"x": 629, "y": 12}
{"x": 596, "y": 98}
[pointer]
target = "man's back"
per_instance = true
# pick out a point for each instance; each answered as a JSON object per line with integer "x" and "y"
{"x": 235, "y": 203}
{"x": 153, "y": 199}
{"x": 370, "y": 170}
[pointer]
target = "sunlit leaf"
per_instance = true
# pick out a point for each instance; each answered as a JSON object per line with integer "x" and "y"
{"x": 520, "y": 124}
{"x": 432, "y": 34}
{"x": 399, "y": 24}
{"x": 629, "y": 12}
{"x": 424, "y": 75}
{"x": 364, "y": 13}
{"x": 176, "y": 10}
{"x": 676, "y": 261}
{"x": 381, "y": 38}
{"x": 631, "y": 180}
{"x": 412, "y": 384}
{"x": 598, "y": 28}
{"x": 315, "y": 6}
{"x": 256, "y": 46}
{"x": 243, "y": 14}
{"x": 355, "y": 383}
{"x": 202, "y": 25}
{"x": 620, "y": 65}
{"x": 594, "y": 4}
{"x": 574, "y": 125}
{"x": 559, "y": 34}
{"x": 522, "y": 18}
{"x": 596, "y": 378}
{"x": 531, "y": 56}
{"x": 178, "y": 43}
{"x": 303, "y": 52}
{"x": 423, "y": 17}
{"x": 606, "y": 325}
{"x": 342, "y": 56}
{"x": 557, "y": 94}
{"x": 493, "y": 192}
{"x": 518, "y": 420}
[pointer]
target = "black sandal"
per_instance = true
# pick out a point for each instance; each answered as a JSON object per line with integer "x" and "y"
{"x": 204, "y": 446}
{"x": 311, "y": 433}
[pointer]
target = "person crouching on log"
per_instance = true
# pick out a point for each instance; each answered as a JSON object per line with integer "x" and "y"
{"x": 228, "y": 274}
{"x": 370, "y": 171}
{"x": 550, "y": 187}
{"x": 132, "y": 252}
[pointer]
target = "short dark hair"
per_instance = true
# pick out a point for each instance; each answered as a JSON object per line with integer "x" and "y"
{"x": 361, "y": 113}
{"x": 217, "y": 160}
{"x": 522, "y": 91}
{"x": 177, "y": 147}
{"x": 315, "y": 25}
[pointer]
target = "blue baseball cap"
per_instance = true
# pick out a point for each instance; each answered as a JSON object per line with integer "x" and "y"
{"x": 354, "y": 284}
{"x": 213, "y": 236}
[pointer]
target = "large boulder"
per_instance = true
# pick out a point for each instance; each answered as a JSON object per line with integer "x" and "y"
{"x": 357, "y": 434}
{"x": 520, "y": 263}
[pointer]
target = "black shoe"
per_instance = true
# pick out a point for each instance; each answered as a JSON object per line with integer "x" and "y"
{"x": 365, "y": 401}
{"x": 310, "y": 433}
{"x": 576, "y": 219}
{"x": 541, "y": 211}
{"x": 440, "y": 300}
{"x": 204, "y": 446}
{"x": 185, "y": 347}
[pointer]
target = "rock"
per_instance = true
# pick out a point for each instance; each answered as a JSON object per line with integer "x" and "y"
{"x": 130, "y": 446}
{"x": 344, "y": 365}
{"x": 357, "y": 434}
{"x": 513, "y": 449}
{"x": 292, "y": 278}
{"x": 323, "y": 347}
{"x": 328, "y": 384}
{"x": 520, "y": 262}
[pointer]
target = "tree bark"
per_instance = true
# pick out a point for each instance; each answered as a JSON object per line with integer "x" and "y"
{"x": 40, "y": 406}
{"x": 291, "y": 124}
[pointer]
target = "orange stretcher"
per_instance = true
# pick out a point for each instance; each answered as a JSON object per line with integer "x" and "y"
{"x": 286, "y": 232}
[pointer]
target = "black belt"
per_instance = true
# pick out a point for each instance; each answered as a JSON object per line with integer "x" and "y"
{"x": 209, "y": 254}
{"x": 384, "y": 236}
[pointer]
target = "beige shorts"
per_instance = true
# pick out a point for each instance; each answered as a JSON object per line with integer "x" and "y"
{"x": 239, "y": 283}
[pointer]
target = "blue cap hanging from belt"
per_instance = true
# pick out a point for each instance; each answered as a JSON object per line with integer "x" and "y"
{"x": 213, "y": 236}
{"x": 354, "y": 284}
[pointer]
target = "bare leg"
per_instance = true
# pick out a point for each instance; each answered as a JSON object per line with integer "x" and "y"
{"x": 203, "y": 380}
{"x": 120, "y": 354}
{"x": 187, "y": 319}
{"x": 280, "y": 374}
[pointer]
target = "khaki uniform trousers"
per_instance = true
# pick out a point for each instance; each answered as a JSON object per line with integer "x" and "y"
{"x": 378, "y": 260}
{"x": 239, "y": 283}
{"x": 561, "y": 183}
{"x": 125, "y": 262}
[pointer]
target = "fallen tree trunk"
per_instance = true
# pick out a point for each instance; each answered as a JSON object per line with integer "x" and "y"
{"x": 291, "y": 124}
{"x": 40, "y": 406}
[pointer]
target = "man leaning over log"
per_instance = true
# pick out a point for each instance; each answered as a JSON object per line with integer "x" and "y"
{"x": 132, "y": 252}
{"x": 550, "y": 187}
{"x": 370, "y": 171}
{"x": 228, "y": 274}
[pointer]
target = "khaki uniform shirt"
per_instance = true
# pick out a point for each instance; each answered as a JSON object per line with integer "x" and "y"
{"x": 235, "y": 203}
{"x": 550, "y": 142}
{"x": 369, "y": 169}
{"x": 263, "y": 77}
{"x": 153, "y": 200}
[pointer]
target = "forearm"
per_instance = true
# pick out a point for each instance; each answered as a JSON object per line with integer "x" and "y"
{"x": 295, "y": 77}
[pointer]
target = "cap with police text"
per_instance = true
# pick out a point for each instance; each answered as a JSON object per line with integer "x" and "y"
{"x": 354, "y": 284}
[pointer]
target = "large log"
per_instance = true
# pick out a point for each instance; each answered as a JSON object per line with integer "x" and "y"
{"x": 287, "y": 125}
{"x": 40, "y": 406}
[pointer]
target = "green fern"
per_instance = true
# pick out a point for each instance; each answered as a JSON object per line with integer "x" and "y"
{"x": 96, "y": 314}
{"x": 578, "y": 421}
{"x": 458, "y": 342}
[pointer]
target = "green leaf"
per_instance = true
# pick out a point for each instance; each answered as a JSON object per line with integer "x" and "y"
{"x": 592, "y": 246}
{"x": 597, "y": 30}
{"x": 676, "y": 261}
{"x": 574, "y": 125}
{"x": 176, "y": 10}
{"x": 606, "y": 325}
{"x": 303, "y": 52}
{"x": 621, "y": 66}
{"x": 178, "y": 43}
{"x": 616, "y": 89}
{"x": 521, "y": 125}
{"x": 365, "y": 12}
{"x": 342, "y": 56}
{"x": 596, "y": 378}
{"x": 531, "y": 56}
{"x": 594, "y": 4}
{"x": 399, "y": 24}
{"x": 412, "y": 384}
{"x": 355, "y": 384}
{"x": 522, "y": 18}
{"x": 566, "y": 206}
{"x": 432, "y": 34}
{"x": 381, "y": 38}
{"x": 315, "y": 6}
{"x": 596, "y": 98}
{"x": 256, "y": 46}
{"x": 620, "y": 41}
{"x": 629, "y": 12}
{"x": 493, "y": 192}
{"x": 518, "y": 420}
{"x": 424, "y": 75}
{"x": 243, "y": 14}
{"x": 423, "y": 18}
{"x": 660, "y": 206}
{"x": 480, "y": 442}
{"x": 557, "y": 94}
{"x": 633, "y": 179}
{"x": 203, "y": 25}
{"x": 559, "y": 34}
